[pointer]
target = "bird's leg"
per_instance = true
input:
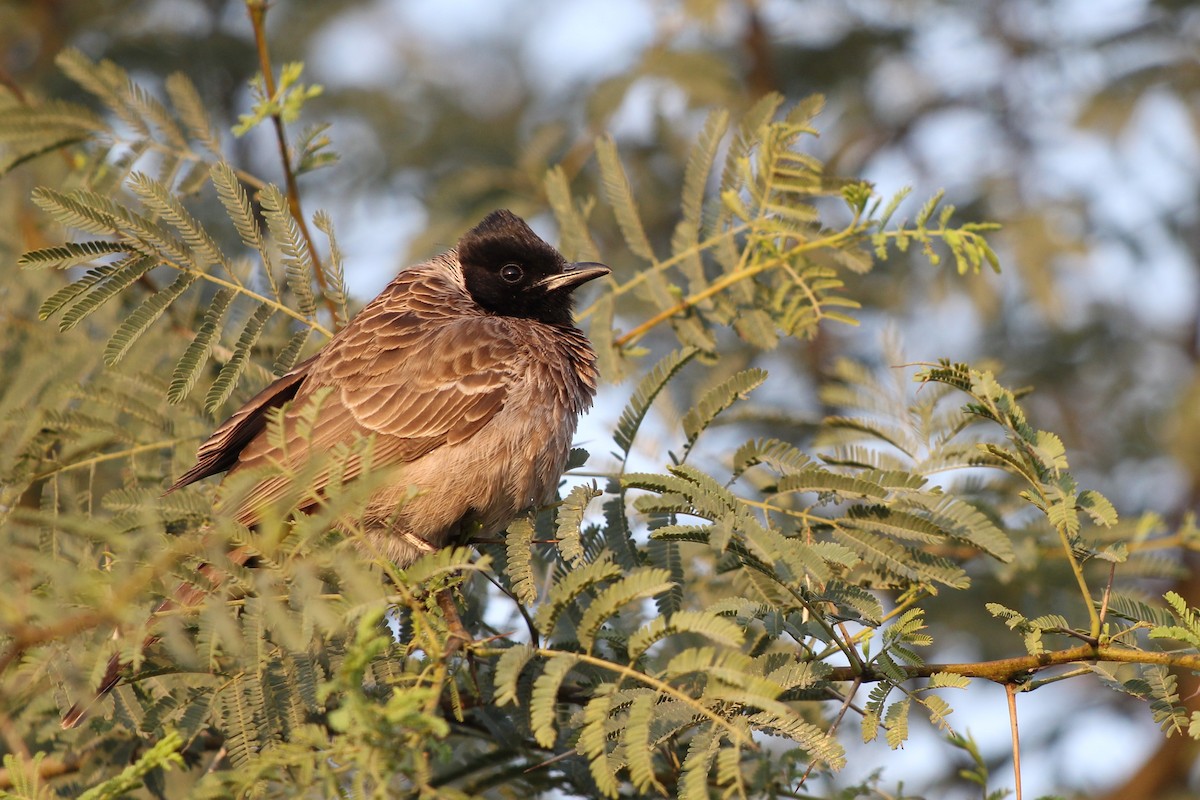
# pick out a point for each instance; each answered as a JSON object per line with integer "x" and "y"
{"x": 459, "y": 637}
{"x": 458, "y": 634}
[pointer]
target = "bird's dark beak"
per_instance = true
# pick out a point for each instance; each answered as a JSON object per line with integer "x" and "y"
{"x": 574, "y": 274}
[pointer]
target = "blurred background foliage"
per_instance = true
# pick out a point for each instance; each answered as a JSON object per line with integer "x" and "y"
{"x": 1073, "y": 123}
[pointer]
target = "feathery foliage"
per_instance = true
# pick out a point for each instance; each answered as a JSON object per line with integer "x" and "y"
{"x": 700, "y": 631}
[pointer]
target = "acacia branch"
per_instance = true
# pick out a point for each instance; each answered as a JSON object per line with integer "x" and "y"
{"x": 1015, "y": 670}
{"x": 741, "y": 274}
{"x": 257, "y": 10}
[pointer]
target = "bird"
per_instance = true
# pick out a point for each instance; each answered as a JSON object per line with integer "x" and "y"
{"x": 468, "y": 376}
{"x": 466, "y": 370}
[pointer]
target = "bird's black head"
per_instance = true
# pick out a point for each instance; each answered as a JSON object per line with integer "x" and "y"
{"x": 510, "y": 271}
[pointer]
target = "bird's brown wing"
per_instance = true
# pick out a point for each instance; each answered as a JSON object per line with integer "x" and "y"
{"x": 411, "y": 382}
{"x": 220, "y": 451}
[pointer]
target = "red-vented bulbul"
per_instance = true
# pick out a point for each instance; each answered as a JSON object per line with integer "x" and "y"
{"x": 468, "y": 372}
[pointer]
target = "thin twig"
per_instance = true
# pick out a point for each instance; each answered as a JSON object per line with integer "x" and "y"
{"x": 664, "y": 687}
{"x": 275, "y": 304}
{"x": 837, "y": 720}
{"x": 111, "y": 456}
{"x": 10, "y": 83}
{"x": 1076, "y": 569}
{"x": 1112, "y": 574}
{"x": 534, "y": 638}
{"x": 665, "y": 264}
{"x": 851, "y": 650}
{"x": 257, "y": 10}
{"x": 743, "y": 272}
{"x": 1011, "y": 689}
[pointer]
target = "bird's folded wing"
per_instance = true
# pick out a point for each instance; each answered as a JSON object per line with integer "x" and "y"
{"x": 220, "y": 450}
{"x": 412, "y": 385}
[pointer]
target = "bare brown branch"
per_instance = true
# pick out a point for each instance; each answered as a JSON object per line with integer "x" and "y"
{"x": 1017, "y": 669}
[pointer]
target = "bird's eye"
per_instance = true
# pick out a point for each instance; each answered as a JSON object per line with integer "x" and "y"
{"x": 511, "y": 273}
